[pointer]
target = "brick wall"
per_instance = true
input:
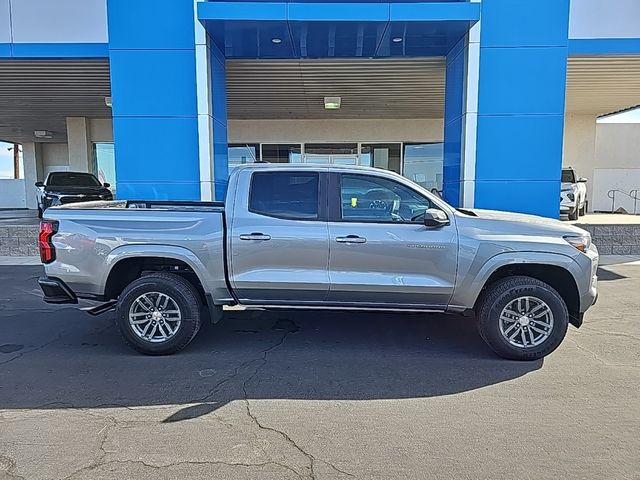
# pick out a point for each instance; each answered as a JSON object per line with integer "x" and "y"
{"x": 615, "y": 239}
{"x": 18, "y": 240}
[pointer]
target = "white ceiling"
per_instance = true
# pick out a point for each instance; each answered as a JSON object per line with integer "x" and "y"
{"x": 599, "y": 85}
{"x": 267, "y": 89}
{"x": 39, "y": 94}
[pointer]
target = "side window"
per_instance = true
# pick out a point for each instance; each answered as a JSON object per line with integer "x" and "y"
{"x": 372, "y": 199}
{"x": 289, "y": 195}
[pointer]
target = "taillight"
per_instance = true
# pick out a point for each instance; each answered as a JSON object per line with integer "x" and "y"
{"x": 48, "y": 229}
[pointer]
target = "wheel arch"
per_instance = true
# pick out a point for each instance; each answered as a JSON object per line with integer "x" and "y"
{"x": 126, "y": 264}
{"x": 557, "y": 276}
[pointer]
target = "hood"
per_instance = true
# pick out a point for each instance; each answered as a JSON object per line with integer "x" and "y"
{"x": 518, "y": 223}
{"x": 567, "y": 186}
{"x": 77, "y": 190}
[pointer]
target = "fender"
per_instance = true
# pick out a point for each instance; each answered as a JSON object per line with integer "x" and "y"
{"x": 212, "y": 278}
{"x": 466, "y": 294}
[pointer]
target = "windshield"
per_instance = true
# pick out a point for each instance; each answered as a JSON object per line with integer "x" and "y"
{"x": 65, "y": 179}
{"x": 568, "y": 176}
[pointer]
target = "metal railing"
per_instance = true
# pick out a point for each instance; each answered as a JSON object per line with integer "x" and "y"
{"x": 633, "y": 195}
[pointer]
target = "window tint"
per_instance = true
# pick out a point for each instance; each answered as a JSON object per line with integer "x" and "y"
{"x": 371, "y": 199}
{"x": 568, "y": 176}
{"x": 285, "y": 194}
{"x": 63, "y": 179}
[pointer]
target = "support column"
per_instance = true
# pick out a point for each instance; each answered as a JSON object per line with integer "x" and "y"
{"x": 78, "y": 140}
{"x": 212, "y": 114}
{"x": 523, "y": 63}
{"x": 32, "y": 166}
{"x": 155, "y": 110}
{"x": 461, "y": 119}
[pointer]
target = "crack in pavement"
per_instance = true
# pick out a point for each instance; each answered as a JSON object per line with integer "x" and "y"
{"x": 600, "y": 359}
{"x": 177, "y": 464}
{"x": 310, "y": 457}
{"x": 23, "y": 353}
{"x": 8, "y": 465}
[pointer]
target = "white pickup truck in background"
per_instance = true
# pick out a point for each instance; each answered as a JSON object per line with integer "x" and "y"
{"x": 573, "y": 194}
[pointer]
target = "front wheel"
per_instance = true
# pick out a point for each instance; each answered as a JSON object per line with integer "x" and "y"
{"x": 159, "y": 314}
{"x": 573, "y": 215}
{"x": 522, "y": 318}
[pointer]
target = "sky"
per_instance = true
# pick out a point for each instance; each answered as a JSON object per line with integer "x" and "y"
{"x": 6, "y": 160}
{"x": 631, "y": 116}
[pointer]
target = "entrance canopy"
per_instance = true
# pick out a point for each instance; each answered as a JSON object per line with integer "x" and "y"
{"x": 345, "y": 30}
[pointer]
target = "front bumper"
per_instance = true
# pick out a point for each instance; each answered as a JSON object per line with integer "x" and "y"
{"x": 56, "y": 291}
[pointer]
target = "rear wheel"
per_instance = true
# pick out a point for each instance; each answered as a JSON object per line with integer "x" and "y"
{"x": 159, "y": 314}
{"x": 522, "y": 318}
{"x": 583, "y": 210}
{"x": 40, "y": 212}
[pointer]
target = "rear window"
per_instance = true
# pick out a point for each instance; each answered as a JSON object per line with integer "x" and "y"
{"x": 63, "y": 179}
{"x": 288, "y": 195}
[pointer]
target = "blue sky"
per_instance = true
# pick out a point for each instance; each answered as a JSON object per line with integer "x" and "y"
{"x": 632, "y": 116}
{"x": 6, "y": 160}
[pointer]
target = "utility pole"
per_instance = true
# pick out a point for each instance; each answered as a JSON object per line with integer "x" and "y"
{"x": 16, "y": 161}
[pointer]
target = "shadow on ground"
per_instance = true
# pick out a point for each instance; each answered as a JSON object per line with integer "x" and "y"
{"x": 60, "y": 357}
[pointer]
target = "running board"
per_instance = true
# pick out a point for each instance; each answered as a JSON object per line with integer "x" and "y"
{"x": 100, "y": 309}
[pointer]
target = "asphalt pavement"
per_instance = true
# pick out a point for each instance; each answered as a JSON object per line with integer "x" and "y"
{"x": 309, "y": 394}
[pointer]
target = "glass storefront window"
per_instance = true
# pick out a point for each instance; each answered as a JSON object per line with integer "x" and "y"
{"x": 282, "y": 153}
{"x": 105, "y": 164}
{"x": 381, "y": 155}
{"x": 423, "y": 164}
{"x": 338, "y": 153}
{"x": 241, "y": 154}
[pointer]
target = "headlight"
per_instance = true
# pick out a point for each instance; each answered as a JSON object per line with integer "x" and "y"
{"x": 571, "y": 196}
{"x": 581, "y": 242}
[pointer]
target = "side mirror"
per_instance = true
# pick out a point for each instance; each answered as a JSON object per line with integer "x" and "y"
{"x": 583, "y": 180}
{"x": 39, "y": 184}
{"x": 434, "y": 218}
{"x": 106, "y": 185}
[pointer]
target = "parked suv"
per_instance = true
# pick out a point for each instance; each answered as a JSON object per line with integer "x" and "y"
{"x": 69, "y": 187}
{"x": 573, "y": 195}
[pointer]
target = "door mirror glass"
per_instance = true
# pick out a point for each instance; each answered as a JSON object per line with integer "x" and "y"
{"x": 434, "y": 218}
{"x": 39, "y": 184}
{"x": 106, "y": 185}
{"x": 583, "y": 180}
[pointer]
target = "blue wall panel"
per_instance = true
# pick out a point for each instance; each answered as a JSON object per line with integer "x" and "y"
{"x": 516, "y": 23}
{"x": 453, "y": 123}
{"x": 219, "y": 123}
{"x": 526, "y": 80}
{"x": 153, "y": 82}
{"x": 156, "y": 82}
{"x": 523, "y": 61}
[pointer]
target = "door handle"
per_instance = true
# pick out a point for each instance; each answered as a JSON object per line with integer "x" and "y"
{"x": 351, "y": 239}
{"x": 255, "y": 236}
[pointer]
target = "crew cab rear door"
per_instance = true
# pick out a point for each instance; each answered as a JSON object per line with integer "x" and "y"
{"x": 279, "y": 244}
{"x": 381, "y": 253}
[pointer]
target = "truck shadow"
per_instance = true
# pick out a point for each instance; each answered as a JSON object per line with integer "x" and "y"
{"x": 307, "y": 355}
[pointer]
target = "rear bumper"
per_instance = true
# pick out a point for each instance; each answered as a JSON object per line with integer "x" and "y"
{"x": 56, "y": 291}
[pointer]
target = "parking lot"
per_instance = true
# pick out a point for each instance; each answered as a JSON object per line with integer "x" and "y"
{"x": 301, "y": 394}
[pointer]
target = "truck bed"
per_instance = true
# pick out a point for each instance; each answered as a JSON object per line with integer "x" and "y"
{"x": 95, "y": 236}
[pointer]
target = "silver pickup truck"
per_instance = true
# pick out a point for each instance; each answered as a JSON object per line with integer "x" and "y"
{"x": 303, "y": 236}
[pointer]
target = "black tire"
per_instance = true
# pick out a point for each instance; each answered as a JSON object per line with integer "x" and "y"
{"x": 583, "y": 211}
{"x": 573, "y": 215}
{"x": 40, "y": 212}
{"x": 505, "y": 291}
{"x": 185, "y": 296}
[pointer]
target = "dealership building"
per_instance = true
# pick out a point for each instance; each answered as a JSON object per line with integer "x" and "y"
{"x": 484, "y": 101}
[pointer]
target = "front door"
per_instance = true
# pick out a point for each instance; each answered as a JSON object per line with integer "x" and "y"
{"x": 381, "y": 254}
{"x": 279, "y": 239}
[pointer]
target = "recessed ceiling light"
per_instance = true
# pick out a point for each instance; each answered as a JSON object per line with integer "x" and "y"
{"x": 332, "y": 103}
{"x": 276, "y": 40}
{"x": 396, "y": 39}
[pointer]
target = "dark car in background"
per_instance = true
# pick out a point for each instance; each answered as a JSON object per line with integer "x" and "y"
{"x": 70, "y": 187}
